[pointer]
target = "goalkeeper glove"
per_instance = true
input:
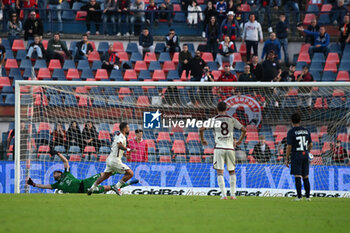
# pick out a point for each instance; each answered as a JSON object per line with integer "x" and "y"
{"x": 31, "y": 182}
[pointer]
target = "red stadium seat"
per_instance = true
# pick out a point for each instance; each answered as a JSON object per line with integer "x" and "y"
{"x": 45, "y": 43}
{"x": 208, "y": 151}
{"x": 101, "y": 74}
{"x": 11, "y": 63}
{"x": 323, "y": 130}
{"x": 75, "y": 158}
{"x": 168, "y": 65}
{"x": 84, "y": 101}
{"x": 192, "y": 136}
{"x": 130, "y": 75}
{"x": 343, "y": 76}
{"x": 326, "y": 147}
{"x": 330, "y": 66}
{"x": 44, "y": 149}
{"x": 90, "y": 149}
{"x": 305, "y": 48}
{"x": 333, "y": 57}
{"x": 118, "y": 47}
{"x": 131, "y": 135}
{"x": 326, "y": 8}
{"x": 207, "y": 57}
{"x": 104, "y": 135}
{"x": 308, "y": 18}
{"x": 151, "y": 143}
{"x": 163, "y": 136}
{"x": 40, "y": 100}
{"x": 150, "y": 57}
{"x": 54, "y": 64}
{"x": 243, "y": 49}
{"x": 304, "y": 57}
{"x": 44, "y": 73}
{"x": 123, "y": 91}
{"x": 123, "y": 56}
{"x": 184, "y": 77}
{"x": 140, "y": 65}
{"x": 344, "y": 137}
{"x": 318, "y": 103}
{"x": 115, "y": 128}
{"x": 317, "y": 161}
{"x": 103, "y": 158}
{"x": 4, "y": 81}
{"x": 314, "y": 137}
{"x": 44, "y": 126}
{"x": 177, "y": 7}
{"x": 179, "y": 147}
{"x": 251, "y": 159}
{"x": 245, "y": 7}
{"x": 176, "y": 58}
{"x": 164, "y": 159}
{"x": 18, "y": 45}
{"x": 143, "y": 101}
{"x": 158, "y": 75}
{"x": 280, "y": 128}
{"x": 72, "y": 74}
{"x": 93, "y": 45}
{"x": 216, "y": 74}
{"x": 81, "y": 16}
{"x": 81, "y": 90}
{"x": 338, "y": 92}
{"x": 195, "y": 159}
{"x": 252, "y": 133}
{"x": 271, "y": 144}
{"x": 238, "y": 57}
{"x": 94, "y": 56}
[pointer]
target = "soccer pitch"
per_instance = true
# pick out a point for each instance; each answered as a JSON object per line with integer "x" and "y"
{"x": 136, "y": 213}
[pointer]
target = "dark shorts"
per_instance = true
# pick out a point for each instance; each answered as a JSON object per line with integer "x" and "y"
{"x": 300, "y": 164}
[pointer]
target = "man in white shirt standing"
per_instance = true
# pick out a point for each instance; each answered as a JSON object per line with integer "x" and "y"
{"x": 114, "y": 162}
{"x": 252, "y": 34}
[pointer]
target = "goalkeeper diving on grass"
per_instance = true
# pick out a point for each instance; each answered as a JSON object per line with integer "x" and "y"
{"x": 67, "y": 183}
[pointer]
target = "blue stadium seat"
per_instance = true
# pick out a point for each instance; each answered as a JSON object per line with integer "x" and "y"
{"x": 164, "y": 150}
{"x": 70, "y": 101}
{"x": 72, "y": 46}
{"x": 60, "y": 149}
{"x": 15, "y": 72}
{"x": 116, "y": 75}
{"x": 9, "y": 53}
{"x": 173, "y": 75}
{"x": 178, "y": 136}
{"x": 27, "y": 73}
{"x": 154, "y": 65}
{"x": 336, "y": 102}
{"x": 164, "y": 56}
{"x": 68, "y": 15}
{"x": 74, "y": 149}
{"x": 103, "y": 47}
{"x": 328, "y": 76}
{"x": 239, "y": 66}
{"x": 147, "y": 134}
{"x": 347, "y": 103}
{"x": 86, "y": 73}
{"x": 151, "y": 157}
{"x": 312, "y": 9}
{"x": 99, "y": 103}
{"x": 345, "y": 57}
{"x": 290, "y": 102}
{"x": 133, "y": 126}
{"x": 109, "y": 90}
{"x": 138, "y": 91}
{"x": 212, "y": 65}
{"x": 319, "y": 57}
{"x": 300, "y": 65}
{"x": 96, "y": 65}
{"x": 191, "y": 47}
{"x": 334, "y": 48}
{"x": 104, "y": 150}
{"x": 316, "y": 75}
{"x": 131, "y": 48}
{"x": 104, "y": 126}
{"x": 40, "y": 64}
{"x": 144, "y": 74}
{"x": 25, "y": 63}
{"x": 68, "y": 64}
{"x": 129, "y": 100}
{"x": 180, "y": 17}
{"x": 7, "y": 90}
{"x": 113, "y": 101}
{"x": 21, "y": 54}
{"x": 316, "y": 66}
{"x": 5, "y": 42}
{"x": 95, "y": 91}
{"x": 83, "y": 64}
{"x": 136, "y": 56}
{"x": 344, "y": 66}
{"x": 160, "y": 47}
{"x": 58, "y": 74}
{"x": 77, "y": 5}
{"x": 55, "y": 101}
{"x": 324, "y": 19}
{"x": 10, "y": 100}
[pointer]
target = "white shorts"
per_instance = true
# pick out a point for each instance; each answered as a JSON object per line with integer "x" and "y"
{"x": 222, "y": 157}
{"x": 115, "y": 165}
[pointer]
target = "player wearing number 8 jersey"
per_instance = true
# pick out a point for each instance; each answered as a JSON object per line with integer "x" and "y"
{"x": 298, "y": 145}
{"x": 224, "y": 147}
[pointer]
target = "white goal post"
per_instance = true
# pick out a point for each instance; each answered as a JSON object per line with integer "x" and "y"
{"x": 265, "y": 107}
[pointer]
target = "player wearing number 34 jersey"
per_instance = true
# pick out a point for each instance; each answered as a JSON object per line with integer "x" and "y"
{"x": 224, "y": 147}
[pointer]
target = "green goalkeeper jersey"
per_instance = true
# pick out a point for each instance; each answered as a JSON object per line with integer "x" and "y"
{"x": 68, "y": 183}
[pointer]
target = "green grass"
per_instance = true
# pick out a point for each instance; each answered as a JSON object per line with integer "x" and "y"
{"x": 110, "y": 213}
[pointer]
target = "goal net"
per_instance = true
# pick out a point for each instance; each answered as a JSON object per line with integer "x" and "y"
{"x": 80, "y": 119}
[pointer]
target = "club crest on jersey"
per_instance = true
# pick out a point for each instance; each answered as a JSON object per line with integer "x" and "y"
{"x": 151, "y": 120}
{"x": 245, "y": 109}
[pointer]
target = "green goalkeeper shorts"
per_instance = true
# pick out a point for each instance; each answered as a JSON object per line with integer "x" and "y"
{"x": 88, "y": 182}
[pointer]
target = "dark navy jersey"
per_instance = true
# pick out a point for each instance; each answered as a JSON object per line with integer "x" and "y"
{"x": 299, "y": 138}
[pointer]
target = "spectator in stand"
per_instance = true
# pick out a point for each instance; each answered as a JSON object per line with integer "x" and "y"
{"x": 90, "y": 136}
{"x": 271, "y": 67}
{"x": 313, "y": 27}
{"x": 226, "y": 49}
{"x": 55, "y": 7}
{"x": 123, "y": 7}
{"x": 205, "y": 96}
{"x": 24, "y": 135}
{"x": 305, "y": 75}
{"x": 171, "y": 96}
{"x": 152, "y": 13}
{"x": 83, "y": 49}
{"x": 74, "y": 136}
{"x": 140, "y": 152}
{"x": 36, "y": 49}
{"x": 166, "y": 11}
{"x": 221, "y": 8}
{"x": 306, "y": 92}
{"x": 213, "y": 33}
{"x": 282, "y": 35}
{"x": 338, "y": 12}
{"x": 57, "y": 49}
{"x": 261, "y": 151}
{"x": 137, "y": 8}
{"x": 145, "y": 42}
{"x": 321, "y": 41}
{"x": 256, "y": 69}
{"x": 185, "y": 57}
{"x": 14, "y": 28}
{"x": 2, "y": 58}
{"x": 294, "y": 6}
{"x": 339, "y": 154}
{"x": 197, "y": 65}
{"x": 172, "y": 42}
{"x": 93, "y": 9}
{"x": 194, "y": 13}
{"x": 59, "y": 137}
{"x": 109, "y": 12}
{"x": 28, "y": 6}
{"x": 239, "y": 17}
{"x": 264, "y": 7}
{"x": 33, "y": 27}
{"x": 226, "y": 76}
{"x": 231, "y": 5}
{"x": 230, "y": 27}
{"x": 184, "y": 5}
{"x": 8, "y": 7}
{"x": 246, "y": 76}
{"x": 110, "y": 60}
{"x": 272, "y": 44}
{"x": 209, "y": 11}
{"x": 344, "y": 32}
{"x": 252, "y": 33}
{"x": 288, "y": 76}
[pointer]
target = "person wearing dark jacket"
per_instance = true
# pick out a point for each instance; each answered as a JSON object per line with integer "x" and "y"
{"x": 322, "y": 40}
{"x": 209, "y": 11}
{"x": 256, "y": 69}
{"x": 261, "y": 151}
{"x": 123, "y": 7}
{"x": 282, "y": 36}
{"x": 172, "y": 42}
{"x": 271, "y": 44}
{"x": 213, "y": 33}
{"x": 197, "y": 65}
{"x": 171, "y": 96}
{"x": 230, "y": 27}
{"x": 90, "y": 136}
{"x": 93, "y": 9}
{"x": 57, "y": 49}
{"x": 345, "y": 32}
{"x": 185, "y": 57}
{"x": 145, "y": 42}
{"x": 36, "y": 49}
{"x": 110, "y": 60}
{"x": 32, "y": 27}
{"x": 83, "y": 48}
{"x": 74, "y": 137}
{"x": 338, "y": 12}
{"x": 313, "y": 27}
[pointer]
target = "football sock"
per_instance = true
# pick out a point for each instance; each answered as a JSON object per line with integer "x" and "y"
{"x": 221, "y": 183}
{"x": 233, "y": 184}
{"x": 119, "y": 184}
{"x": 94, "y": 186}
{"x": 307, "y": 187}
{"x": 298, "y": 186}
{"x": 100, "y": 189}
